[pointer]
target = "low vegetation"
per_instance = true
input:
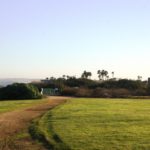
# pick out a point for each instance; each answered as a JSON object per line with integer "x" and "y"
{"x": 19, "y": 91}
{"x": 84, "y": 87}
{"x": 96, "y": 124}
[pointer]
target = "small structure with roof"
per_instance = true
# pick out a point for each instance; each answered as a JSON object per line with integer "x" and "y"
{"x": 50, "y": 91}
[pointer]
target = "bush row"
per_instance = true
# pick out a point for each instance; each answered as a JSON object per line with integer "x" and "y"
{"x": 102, "y": 92}
{"x": 19, "y": 91}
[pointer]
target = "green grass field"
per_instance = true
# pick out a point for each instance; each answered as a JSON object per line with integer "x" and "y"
{"x": 97, "y": 124}
{"x": 11, "y": 105}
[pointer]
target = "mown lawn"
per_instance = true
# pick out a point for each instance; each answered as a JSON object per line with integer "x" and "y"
{"x": 11, "y": 105}
{"x": 98, "y": 124}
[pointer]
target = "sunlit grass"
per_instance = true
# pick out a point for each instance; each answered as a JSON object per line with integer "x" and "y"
{"x": 99, "y": 124}
{"x": 11, "y": 105}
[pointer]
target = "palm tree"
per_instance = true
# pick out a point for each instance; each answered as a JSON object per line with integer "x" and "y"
{"x": 102, "y": 74}
{"x": 64, "y": 76}
{"x": 68, "y": 77}
{"x": 107, "y": 77}
{"x": 52, "y": 78}
{"x": 99, "y": 74}
{"x": 112, "y": 74}
{"x": 83, "y": 74}
{"x": 89, "y": 74}
{"x": 139, "y": 78}
{"x": 86, "y": 74}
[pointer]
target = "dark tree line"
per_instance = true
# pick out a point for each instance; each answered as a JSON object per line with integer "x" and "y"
{"x": 106, "y": 86}
{"x": 83, "y": 86}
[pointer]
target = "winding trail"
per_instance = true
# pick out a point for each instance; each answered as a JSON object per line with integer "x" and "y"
{"x": 15, "y": 122}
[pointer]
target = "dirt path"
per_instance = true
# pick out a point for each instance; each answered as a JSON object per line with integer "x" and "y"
{"x": 12, "y": 123}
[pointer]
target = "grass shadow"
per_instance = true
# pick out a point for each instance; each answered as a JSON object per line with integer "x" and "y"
{"x": 51, "y": 142}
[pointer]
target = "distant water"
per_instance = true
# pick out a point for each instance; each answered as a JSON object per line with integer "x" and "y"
{"x": 5, "y": 82}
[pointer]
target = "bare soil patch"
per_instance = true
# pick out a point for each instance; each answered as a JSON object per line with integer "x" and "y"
{"x": 12, "y": 123}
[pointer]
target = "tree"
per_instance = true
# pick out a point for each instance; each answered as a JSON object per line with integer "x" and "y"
{"x": 139, "y": 78}
{"x": 99, "y": 74}
{"x": 89, "y": 74}
{"x": 52, "y": 78}
{"x": 19, "y": 91}
{"x": 64, "y": 77}
{"x": 86, "y": 74}
{"x": 107, "y": 77}
{"x": 68, "y": 77}
{"x": 102, "y": 74}
{"x": 113, "y": 73}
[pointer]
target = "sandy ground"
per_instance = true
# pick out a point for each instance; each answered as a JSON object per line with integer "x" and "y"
{"x": 12, "y": 123}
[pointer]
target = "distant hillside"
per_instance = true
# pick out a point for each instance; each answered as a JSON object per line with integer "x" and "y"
{"x": 7, "y": 81}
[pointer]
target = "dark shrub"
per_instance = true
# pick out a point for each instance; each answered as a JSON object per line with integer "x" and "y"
{"x": 120, "y": 93}
{"x": 83, "y": 92}
{"x": 68, "y": 91}
{"x": 19, "y": 91}
{"x": 110, "y": 93}
{"x": 81, "y": 82}
{"x": 77, "y": 92}
{"x": 101, "y": 92}
{"x": 122, "y": 84}
{"x": 140, "y": 92}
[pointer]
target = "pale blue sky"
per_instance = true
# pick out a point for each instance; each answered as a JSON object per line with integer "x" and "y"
{"x": 40, "y": 38}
